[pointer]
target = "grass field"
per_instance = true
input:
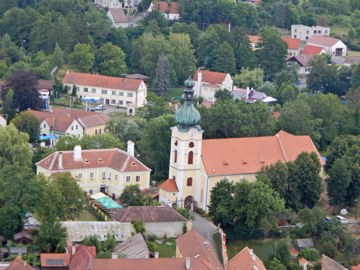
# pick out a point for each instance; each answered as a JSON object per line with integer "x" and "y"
{"x": 165, "y": 247}
{"x": 85, "y": 215}
{"x": 262, "y": 248}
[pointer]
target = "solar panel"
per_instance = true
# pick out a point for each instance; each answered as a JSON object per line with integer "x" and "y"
{"x": 55, "y": 262}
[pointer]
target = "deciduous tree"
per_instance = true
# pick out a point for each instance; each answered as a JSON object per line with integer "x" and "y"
{"x": 28, "y": 123}
{"x": 82, "y": 58}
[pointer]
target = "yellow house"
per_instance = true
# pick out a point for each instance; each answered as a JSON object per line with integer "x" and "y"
{"x": 98, "y": 170}
{"x": 196, "y": 165}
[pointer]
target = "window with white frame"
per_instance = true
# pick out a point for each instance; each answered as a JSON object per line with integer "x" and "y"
{"x": 121, "y": 94}
{"x": 103, "y": 175}
{"x": 93, "y": 90}
{"x": 137, "y": 178}
{"x": 104, "y": 92}
{"x": 80, "y": 175}
{"x": 86, "y": 89}
{"x": 91, "y": 175}
{"x": 116, "y": 177}
{"x": 130, "y": 94}
{"x": 128, "y": 179}
{"x": 109, "y": 175}
{"x": 113, "y": 93}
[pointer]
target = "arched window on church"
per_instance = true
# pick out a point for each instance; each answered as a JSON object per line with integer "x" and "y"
{"x": 175, "y": 156}
{"x": 191, "y": 157}
{"x": 189, "y": 182}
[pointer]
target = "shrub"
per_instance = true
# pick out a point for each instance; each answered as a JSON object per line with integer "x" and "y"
{"x": 310, "y": 254}
{"x": 138, "y": 226}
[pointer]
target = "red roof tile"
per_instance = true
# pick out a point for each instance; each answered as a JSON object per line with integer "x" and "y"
{"x": 322, "y": 40}
{"x": 302, "y": 59}
{"x": 312, "y": 50}
{"x": 249, "y": 155}
{"x": 294, "y": 251}
{"x": 165, "y": 7}
{"x": 211, "y": 77}
{"x": 54, "y": 259}
{"x": 293, "y": 43}
{"x": 245, "y": 260}
{"x": 149, "y": 264}
{"x": 148, "y": 214}
{"x": 254, "y": 39}
{"x": 302, "y": 260}
{"x": 93, "y": 80}
{"x": 95, "y": 158}
{"x": 82, "y": 257}
{"x": 169, "y": 186}
{"x": 19, "y": 264}
{"x": 193, "y": 244}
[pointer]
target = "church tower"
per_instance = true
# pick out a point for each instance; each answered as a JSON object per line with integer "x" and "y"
{"x": 185, "y": 155}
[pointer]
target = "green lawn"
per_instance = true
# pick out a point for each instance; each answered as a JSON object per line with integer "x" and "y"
{"x": 261, "y": 248}
{"x": 175, "y": 93}
{"x": 165, "y": 247}
{"x": 86, "y": 215}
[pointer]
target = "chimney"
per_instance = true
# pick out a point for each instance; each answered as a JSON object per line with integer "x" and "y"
{"x": 251, "y": 251}
{"x": 156, "y": 255}
{"x": 77, "y": 153}
{"x": 130, "y": 147}
{"x": 60, "y": 161}
{"x": 187, "y": 263}
{"x": 247, "y": 92}
{"x": 114, "y": 255}
{"x": 199, "y": 82}
{"x": 73, "y": 250}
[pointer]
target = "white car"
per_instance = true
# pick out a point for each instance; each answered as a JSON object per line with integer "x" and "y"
{"x": 342, "y": 219}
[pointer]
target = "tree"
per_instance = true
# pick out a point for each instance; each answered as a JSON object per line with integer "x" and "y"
{"x": 280, "y": 251}
{"x": 310, "y": 254}
{"x": 67, "y": 142}
{"x": 51, "y": 237}
{"x": 101, "y": 141}
{"x": 57, "y": 58}
{"x": 8, "y": 107}
{"x": 155, "y": 107}
{"x": 110, "y": 60}
{"x": 126, "y": 130}
{"x": 131, "y": 196}
{"x": 223, "y": 94}
{"x": 14, "y": 147}
{"x": 250, "y": 78}
{"x": 223, "y": 59}
{"x": 24, "y": 84}
{"x": 245, "y": 57}
{"x": 322, "y": 76}
{"x": 103, "y": 248}
{"x": 221, "y": 203}
{"x": 275, "y": 264}
{"x": 138, "y": 226}
{"x": 82, "y": 58}
{"x": 72, "y": 194}
{"x": 272, "y": 53}
{"x": 28, "y": 123}
{"x": 161, "y": 82}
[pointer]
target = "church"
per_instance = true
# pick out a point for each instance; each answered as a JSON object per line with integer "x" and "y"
{"x": 196, "y": 165}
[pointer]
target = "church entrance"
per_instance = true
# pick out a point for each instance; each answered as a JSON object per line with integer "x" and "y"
{"x": 189, "y": 203}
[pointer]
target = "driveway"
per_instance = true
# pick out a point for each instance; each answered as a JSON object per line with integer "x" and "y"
{"x": 206, "y": 229}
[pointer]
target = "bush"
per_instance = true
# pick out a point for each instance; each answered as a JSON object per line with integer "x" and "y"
{"x": 185, "y": 213}
{"x": 138, "y": 226}
{"x": 184, "y": 228}
{"x": 151, "y": 237}
{"x": 310, "y": 254}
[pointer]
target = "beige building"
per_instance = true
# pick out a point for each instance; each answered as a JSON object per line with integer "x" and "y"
{"x": 197, "y": 165}
{"x": 114, "y": 91}
{"x": 98, "y": 170}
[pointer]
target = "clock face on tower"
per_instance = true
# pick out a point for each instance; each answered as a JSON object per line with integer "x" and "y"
{"x": 192, "y": 132}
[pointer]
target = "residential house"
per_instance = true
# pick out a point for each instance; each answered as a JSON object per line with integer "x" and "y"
{"x": 98, "y": 170}
{"x": 113, "y": 91}
{"x": 78, "y": 123}
{"x": 304, "y": 243}
{"x": 254, "y": 41}
{"x": 117, "y": 17}
{"x": 23, "y": 238}
{"x": 19, "y": 264}
{"x": 158, "y": 220}
{"x": 117, "y": 3}
{"x": 52, "y": 261}
{"x": 78, "y": 230}
{"x": 330, "y": 264}
{"x": 304, "y": 264}
{"x": 293, "y": 46}
{"x": 133, "y": 248}
{"x": 313, "y": 50}
{"x": 171, "y": 10}
{"x": 246, "y": 259}
{"x": 304, "y": 32}
{"x": 303, "y": 61}
{"x": 333, "y": 46}
{"x": 250, "y": 95}
{"x": 197, "y": 165}
{"x": 2, "y": 121}
{"x": 207, "y": 83}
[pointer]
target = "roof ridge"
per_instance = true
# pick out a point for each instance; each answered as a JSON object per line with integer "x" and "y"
{"x": 281, "y": 146}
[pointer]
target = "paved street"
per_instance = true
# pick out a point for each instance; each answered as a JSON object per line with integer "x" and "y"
{"x": 206, "y": 229}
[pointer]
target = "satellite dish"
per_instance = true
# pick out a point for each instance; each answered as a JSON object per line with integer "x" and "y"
{"x": 343, "y": 212}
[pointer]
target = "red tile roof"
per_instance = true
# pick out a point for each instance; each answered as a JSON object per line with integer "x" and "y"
{"x": 303, "y": 260}
{"x": 19, "y": 264}
{"x": 312, "y": 50}
{"x": 118, "y": 15}
{"x": 148, "y": 214}
{"x": 322, "y": 40}
{"x": 54, "y": 259}
{"x": 93, "y": 80}
{"x": 254, "y": 39}
{"x": 211, "y": 77}
{"x": 96, "y": 158}
{"x": 293, "y": 43}
{"x": 169, "y": 186}
{"x": 245, "y": 260}
{"x": 59, "y": 119}
{"x": 165, "y": 7}
{"x": 82, "y": 257}
{"x": 149, "y": 264}
{"x": 294, "y": 251}
{"x": 356, "y": 267}
{"x": 193, "y": 244}
{"x": 302, "y": 59}
{"x": 45, "y": 84}
{"x": 249, "y": 155}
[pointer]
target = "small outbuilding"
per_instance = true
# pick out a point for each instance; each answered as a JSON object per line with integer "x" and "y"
{"x": 304, "y": 243}
{"x": 23, "y": 238}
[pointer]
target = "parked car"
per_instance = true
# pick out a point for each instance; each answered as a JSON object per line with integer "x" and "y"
{"x": 100, "y": 107}
{"x": 342, "y": 219}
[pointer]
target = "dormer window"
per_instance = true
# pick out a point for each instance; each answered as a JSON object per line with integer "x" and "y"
{"x": 100, "y": 160}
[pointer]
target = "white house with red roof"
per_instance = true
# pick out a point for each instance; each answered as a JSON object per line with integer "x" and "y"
{"x": 98, "y": 170}
{"x": 333, "y": 46}
{"x": 207, "y": 83}
{"x": 293, "y": 46}
{"x": 113, "y": 91}
{"x": 303, "y": 61}
{"x": 171, "y": 10}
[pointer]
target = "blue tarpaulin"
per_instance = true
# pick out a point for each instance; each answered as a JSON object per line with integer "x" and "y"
{"x": 48, "y": 137}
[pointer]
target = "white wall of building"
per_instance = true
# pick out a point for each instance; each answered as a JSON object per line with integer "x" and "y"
{"x": 303, "y": 32}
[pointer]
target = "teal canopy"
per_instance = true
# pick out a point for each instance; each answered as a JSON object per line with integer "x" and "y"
{"x": 108, "y": 203}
